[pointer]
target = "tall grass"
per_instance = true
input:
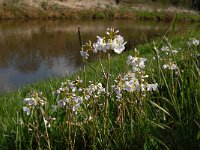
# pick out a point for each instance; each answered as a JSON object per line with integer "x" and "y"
{"x": 96, "y": 114}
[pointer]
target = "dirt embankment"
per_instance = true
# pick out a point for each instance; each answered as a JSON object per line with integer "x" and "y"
{"x": 90, "y": 9}
{"x": 52, "y": 8}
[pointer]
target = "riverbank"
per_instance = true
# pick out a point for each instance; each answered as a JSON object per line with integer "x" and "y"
{"x": 94, "y": 10}
{"x": 164, "y": 117}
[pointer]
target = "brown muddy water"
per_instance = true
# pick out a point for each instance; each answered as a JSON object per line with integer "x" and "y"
{"x": 35, "y": 50}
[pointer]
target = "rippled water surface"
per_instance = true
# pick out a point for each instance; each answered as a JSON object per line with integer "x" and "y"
{"x": 34, "y": 50}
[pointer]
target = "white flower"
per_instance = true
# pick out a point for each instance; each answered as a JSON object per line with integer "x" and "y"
{"x": 100, "y": 45}
{"x": 136, "y": 63}
{"x": 46, "y": 122}
{"x": 152, "y": 87}
{"x": 87, "y": 97}
{"x": 114, "y": 42}
{"x": 118, "y": 92}
{"x": 109, "y": 45}
{"x": 77, "y": 99}
{"x": 75, "y": 107}
{"x": 119, "y": 48}
{"x": 119, "y": 39}
{"x": 31, "y": 101}
{"x": 165, "y": 66}
{"x": 42, "y": 102}
{"x": 100, "y": 88}
{"x": 170, "y": 66}
{"x": 132, "y": 60}
{"x": 194, "y": 42}
{"x": 141, "y": 62}
{"x": 132, "y": 85}
{"x": 84, "y": 54}
{"x": 129, "y": 86}
{"x": 173, "y": 67}
{"x": 61, "y": 103}
{"x": 118, "y": 44}
{"x": 26, "y": 110}
{"x": 72, "y": 87}
{"x": 165, "y": 49}
{"x": 174, "y": 51}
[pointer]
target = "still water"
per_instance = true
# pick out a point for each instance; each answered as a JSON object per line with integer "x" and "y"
{"x": 34, "y": 50}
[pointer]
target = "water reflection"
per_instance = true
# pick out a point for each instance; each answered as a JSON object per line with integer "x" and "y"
{"x": 32, "y": 50}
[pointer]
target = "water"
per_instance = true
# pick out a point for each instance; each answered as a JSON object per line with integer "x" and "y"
{"x": 34, "y": 50}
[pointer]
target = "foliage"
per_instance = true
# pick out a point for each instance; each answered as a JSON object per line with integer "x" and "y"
{"x": 113, "y": 103}
{"x": 92, "y": 114}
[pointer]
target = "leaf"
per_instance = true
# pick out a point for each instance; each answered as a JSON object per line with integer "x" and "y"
{"x": 161, "y": 142}
{"x": 198, "y": 135}
{"x": 162, "y": 109}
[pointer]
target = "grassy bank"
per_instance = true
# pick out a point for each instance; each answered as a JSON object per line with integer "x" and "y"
{"x": 95, "y": 10}
{"x": 164, "y": 119}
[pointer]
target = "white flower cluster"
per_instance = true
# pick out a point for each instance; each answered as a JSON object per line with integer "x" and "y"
{"x": 170, "y": 66}
{"x": 74, "y": 94}
{"x": 71, "y": 95}
{"x": 117, "y": 44}
{"x": 32, "y": 102}
{"x": 168, "y": 50}
{"x": 48, "y": 121}
{"x": 193, "y": 42}
{"x": 135, "y": 79}
{"x": 113, "y": 41}
{"x": 169, "y": 63}
{"x": 84, "y": 54}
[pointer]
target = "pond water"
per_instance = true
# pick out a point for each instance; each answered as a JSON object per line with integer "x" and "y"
{"x": 34, "y": 50}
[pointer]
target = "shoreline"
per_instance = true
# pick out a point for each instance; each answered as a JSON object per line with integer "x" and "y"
{"x": 135, "y": 12}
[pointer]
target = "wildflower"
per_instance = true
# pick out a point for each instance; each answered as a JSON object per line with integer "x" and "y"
{"x": 31, "y": 101}
{"x": 168, "y": 49}
{"x": 61, "y": 103}
{"x": 87, "y": 97}
{"x": 77, "y": 99}
{"x": 134, "y": 80}
{"x": 165, "y": 49}
{"x": 118, "y": 44}
{"x": 26, "y": 110}
{"x": 100, "y": 88}
{"x": 111, "y": 31}
{"x": 109, "y": 44}
{"x": 119, "y": 39}
{"x": 75, "y": 107}
{"x": 193, "y": 42}
{"x": 119, "y": 48}
{"x": 42, "y": 102}
{"x": 100, "y": 45}
{"x": 90, "y": 118}
{"x": 73, "y": 87}
{"x": 48, "y": 121}
{"x": 170, "y": 66}
{"x": 174, "y": 51}
{"x": 152, "y": 87}
{"x": 84, "y": 54}
{"x": 136, "y": 63}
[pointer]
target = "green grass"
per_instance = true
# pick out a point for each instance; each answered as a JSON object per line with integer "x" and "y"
{"x": 167, "y": 119}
